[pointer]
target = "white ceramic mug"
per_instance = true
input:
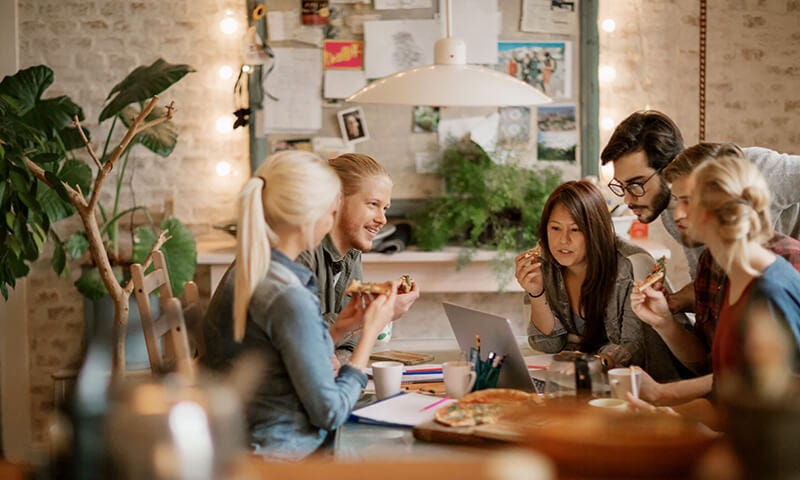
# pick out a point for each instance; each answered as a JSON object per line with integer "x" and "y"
{"x": 612, "y": 403}
{"x": 459, "y": 378}
{"x": 387, "y": 377}
{"x": 624, "y": 380}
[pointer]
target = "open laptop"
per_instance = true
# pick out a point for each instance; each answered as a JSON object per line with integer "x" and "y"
{"x": 496, "y": 336}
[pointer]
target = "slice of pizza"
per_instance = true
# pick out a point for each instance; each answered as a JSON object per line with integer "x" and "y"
{"x": 359, "y": 287}
{"x": 497, "y": 395}
{"x": 468, "y": 414}
{"x": 406, "y": 284}
{"x": 535, "y": 254}
{"x": 659, "y": 270}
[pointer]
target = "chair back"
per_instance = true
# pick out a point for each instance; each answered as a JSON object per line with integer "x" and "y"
{"x": 166, "y": 337}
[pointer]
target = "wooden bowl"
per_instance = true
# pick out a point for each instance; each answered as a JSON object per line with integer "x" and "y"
{"x": 591, "y": 442}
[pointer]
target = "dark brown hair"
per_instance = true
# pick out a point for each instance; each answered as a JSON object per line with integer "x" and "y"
{"x": 648, "y": 130}
{"x": 689, "y": 159}
{"x": 586, "y": 205}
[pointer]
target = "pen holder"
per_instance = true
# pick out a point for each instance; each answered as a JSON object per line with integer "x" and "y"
{"x": 486, "y": 375}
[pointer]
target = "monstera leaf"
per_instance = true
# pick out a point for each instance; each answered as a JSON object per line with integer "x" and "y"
{"x": 141, "y": 84}
{"x": 160, "y": 139}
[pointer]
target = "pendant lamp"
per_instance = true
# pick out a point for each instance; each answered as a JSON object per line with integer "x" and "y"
{"x": 450, "y": 82}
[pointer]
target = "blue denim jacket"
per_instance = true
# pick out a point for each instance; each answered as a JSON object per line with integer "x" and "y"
{"x": 300, "y": 401}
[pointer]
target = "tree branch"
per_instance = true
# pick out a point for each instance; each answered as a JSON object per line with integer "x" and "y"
{"x": 123, "y": 144}
{"x": 160, "y": 241}
{"x": 86, "y": 142}
{"x": 152, "y": 123}
{"x": 75, "y": 197}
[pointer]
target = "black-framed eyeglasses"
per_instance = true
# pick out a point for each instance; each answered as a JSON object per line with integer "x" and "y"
{"x": 634, "y": 188}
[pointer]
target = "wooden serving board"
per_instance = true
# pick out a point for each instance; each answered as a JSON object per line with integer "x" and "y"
{"x": 407, "y": 358}
{"x": 494, "y": 434}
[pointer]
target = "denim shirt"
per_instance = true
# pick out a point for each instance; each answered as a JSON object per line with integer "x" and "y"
{"x": 299, "y": 401}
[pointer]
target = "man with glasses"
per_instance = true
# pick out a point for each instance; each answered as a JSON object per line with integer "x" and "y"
{"x": 647, "y": 141}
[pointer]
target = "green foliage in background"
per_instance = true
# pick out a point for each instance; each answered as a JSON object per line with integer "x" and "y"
{"x": 41, "y": 130}
{"x": 486, "y": 205}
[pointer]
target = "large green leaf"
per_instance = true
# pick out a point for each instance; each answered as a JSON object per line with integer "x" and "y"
{"x": 27, "y": 86}
{"x": 53, "y": 114}
{"x": 76, "y": 245}
{"x": 180, "y": 251}
{"x": 141, "y": 84}
{"x": 73, "y": 172}
{"x": 160, "y": 139}
{"x": 90, "y": 284}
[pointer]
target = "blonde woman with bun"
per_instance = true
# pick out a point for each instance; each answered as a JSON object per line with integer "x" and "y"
{"x": 267, "y": 303}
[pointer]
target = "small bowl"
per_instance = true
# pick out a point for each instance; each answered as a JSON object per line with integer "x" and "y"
{"x": 609, "y": 403}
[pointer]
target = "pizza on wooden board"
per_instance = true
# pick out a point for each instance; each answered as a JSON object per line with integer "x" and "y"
{"x": 482, "y": 407}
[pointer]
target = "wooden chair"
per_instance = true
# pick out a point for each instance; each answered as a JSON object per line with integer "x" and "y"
{"x": 166, "y": 337}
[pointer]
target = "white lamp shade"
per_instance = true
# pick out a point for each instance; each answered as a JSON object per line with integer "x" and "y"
{"x": 450, "y": 86}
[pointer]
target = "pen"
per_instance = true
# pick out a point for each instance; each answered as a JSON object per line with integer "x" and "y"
{"x": 438, "y": 402}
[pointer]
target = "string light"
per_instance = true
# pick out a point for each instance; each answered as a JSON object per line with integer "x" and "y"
{"x": 223, "y": 169}
{"x": 229, "y": 25}
{"x": 607, "y": 73}
{"x": 226, "y": 72}
{"x": 609, "y": 25}
{"x": 246, "y": 68}
{"x": 224, "y": 124}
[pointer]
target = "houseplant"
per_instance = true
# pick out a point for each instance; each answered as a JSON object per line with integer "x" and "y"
{"x": 485, "y": 205}
{"x": 42, "y": 181}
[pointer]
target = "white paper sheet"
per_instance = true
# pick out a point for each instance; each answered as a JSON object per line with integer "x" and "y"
{"x": 297, "y": 83}
{"x": 477, "y": 23}
{"x": 550, "y": 16}
{"x": 395, "y": 45}
{"x": 482, "y": 130}
{"x": 401, "y": 4}
{"x": 406, "y": 409}
{"x": 282, "y": 24}
{"x": 343, "y": 83}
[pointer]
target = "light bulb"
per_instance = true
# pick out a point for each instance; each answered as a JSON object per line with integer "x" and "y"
{"x": 246, "y": 68}
{"x": 226, "y": 72}
{"x": 228, "y": 24}
{"x": 609, "y": 25}
{"x": 224, "y": 125}
{"x": 607, "y": 73}
{"x": 223, "y": 169}
{"x": 607, "y": 123}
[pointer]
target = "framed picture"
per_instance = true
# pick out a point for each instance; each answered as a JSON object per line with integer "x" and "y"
{"x": 353, "y": 125}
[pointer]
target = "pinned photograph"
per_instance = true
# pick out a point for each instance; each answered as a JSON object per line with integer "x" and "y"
{"x": 353, "y": 125}
{"x": 546, "y": 66}
{"x": 558, "y": 133}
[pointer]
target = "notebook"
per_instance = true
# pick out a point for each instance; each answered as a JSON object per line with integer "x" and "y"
{"x": 496, "y": 336}
{"x": 403, "y": 410}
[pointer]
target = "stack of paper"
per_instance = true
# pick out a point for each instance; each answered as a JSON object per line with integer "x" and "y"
{"x": 404, "y": 410}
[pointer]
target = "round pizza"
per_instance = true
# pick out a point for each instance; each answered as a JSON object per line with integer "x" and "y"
{"x": 497, "y": 395}
{"x": 482, "y": 407}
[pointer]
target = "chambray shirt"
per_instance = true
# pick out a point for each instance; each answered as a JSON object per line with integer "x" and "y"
{"x": 299, "y": 401}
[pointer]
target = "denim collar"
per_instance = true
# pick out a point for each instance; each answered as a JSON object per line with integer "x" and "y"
{"x": 303, "y": 274}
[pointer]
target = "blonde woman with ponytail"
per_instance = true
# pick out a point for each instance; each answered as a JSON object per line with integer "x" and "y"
{"x": 730, "y": 212}
{"x": 267, "y": 303}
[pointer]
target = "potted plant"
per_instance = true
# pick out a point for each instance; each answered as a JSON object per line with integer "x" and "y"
{"x": 42, "y": 181}
{"x": 486, "y": 205}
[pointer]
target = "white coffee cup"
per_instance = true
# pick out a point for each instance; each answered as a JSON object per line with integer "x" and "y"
{"x": 612, "y": 403}
{"x": 387, "y": 377}
{"x": 459, "y": 378}
{"x": 624, "y": 380}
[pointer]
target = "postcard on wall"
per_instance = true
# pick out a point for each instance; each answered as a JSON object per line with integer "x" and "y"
{"x": 279, "y": 145}
{"x": 281, "y": 24}
{"x": 546, "y": 66}
{"x": 514, "y": 129}
{"x": 395, "y": 45}
{"x": 343, "y": 83}
{"x": 353, "y": 124}
{"x": 343, "y": 55}
{"x": 477, "y": 23}
{"x": 426, "y": 119}
{"x": 558, "y": 133}
{"x": 315, "y": 12}
{"x": 296, "y": 82}
{"x": 401, "y": 4}
{"x": 549, "y": 16}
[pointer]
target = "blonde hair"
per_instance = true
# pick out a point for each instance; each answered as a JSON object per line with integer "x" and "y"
{"x": 732, "y": 189}
{"x": 353, "y": 168}
{"x": 292, "y": 188}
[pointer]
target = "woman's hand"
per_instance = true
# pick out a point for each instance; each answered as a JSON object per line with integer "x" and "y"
{"x": 650, "y": 305}
{"x": 649, "y": 389}
{"x": 404, "y": 302}
{"x": 379, "y": 313}
{"x": 639, "y": 405}
{"x": 528, "y": 271}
